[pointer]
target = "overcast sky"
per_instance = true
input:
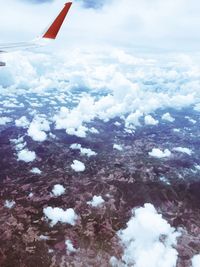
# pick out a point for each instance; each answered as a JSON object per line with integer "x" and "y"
{"x": 155, "y": 25}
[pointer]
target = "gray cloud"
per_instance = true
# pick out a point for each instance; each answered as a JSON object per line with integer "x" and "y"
{"x": 92, "y": 3}
{"x": 86, "y": 3}
{"x": 38, "y": 1}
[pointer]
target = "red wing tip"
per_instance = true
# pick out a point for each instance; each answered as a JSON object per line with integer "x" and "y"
{"x": 68, "y": 3}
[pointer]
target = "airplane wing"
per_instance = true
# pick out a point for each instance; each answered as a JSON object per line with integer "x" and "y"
{"x": 51, "y": 33}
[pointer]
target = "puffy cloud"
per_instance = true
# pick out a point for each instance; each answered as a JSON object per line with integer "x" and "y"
{"x": 59, "y": 215}
{"x": 183, "y": 150}
{"x": 196, "y": 261}
{"x": 19, "y": 143}
{"x": 117, "y": 147}
{"x": 26, "y": 155}
{"x": 133, "y": 119}
{"x": 9, "y": 204}
{"x": 96, "y": 201}
{"x": 22, "y": 122}
{"x": 4, "y": 120}
{"x": 149, "y": 120}
{"x": 30, "y": 195}
{"x": 148, "y": 240}
{"x": 70, "y": 247}
{"x": 197, "y": 167}
{"x": 37, "y": 129}
{"x": 58, "y": 190}
{"x": 167, "y": 117}
{"x": 36, "y": 171}
{"x": 132, "y": 87}
{"x": 84, "y": 151}
{"x": 157, "y": 153}
{"x": 191, "y": 120}
{"x": 78, "y": 166}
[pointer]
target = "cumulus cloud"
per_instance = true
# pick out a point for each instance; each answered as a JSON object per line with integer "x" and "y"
{"x": 78, "y": 166}
{"x": 197, "y": 167}
{"x": 22, "y": 122}
{"x": 37, "y": 129}
{"x": 58, "y": 190}
{"x": 5, "y": 120}
{"x": 157, "y": 153}
{"x": 20, "y": 144}
{"x": 133, "y": 119}
{"x": 9, "y": 204}
{"x": 148, "y": 240}
{"x": 26, "y": 155}
{"x": 167, "y": 117}
{"x": 131, "y": 84}
{"x": 149, "y": 120}
{"x": 117, "y": 147}
{"x": 84, "y": 151}
{"x": 96, "y": 201}
{"x": 196, "y": 261}
{"x": 59, "y": 215}
{"x": 183, "y": 150}
{"x": 36, "y": 171}
{"x": 70, "y": 247}
{"x": 72, "y": 120}
{"x": 191, "y": 120}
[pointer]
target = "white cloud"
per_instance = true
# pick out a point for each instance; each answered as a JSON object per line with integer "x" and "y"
{"x": 44, "y": 237}
{"x": 191, "y": 120}
{"x": 59, "y": 215}
{"x": 93, "y": 130}
{"x": 130, "y": 23}
{"x": 165, "y": 180}
{"x": 4, "y": 120}
{"x": 133, "y": 119}
{"x": 70, "y": 247}
{"x": 30, "y": 195}
{"x": 78, "y": 166}
{"x": 132, "y": 89}
{"x": 176, "y": 130}
{"x": 197, "y": 167}
{"x": 118, "y": 147}
{"x": 84, "y": 151}
{"x": 22, "y": 122}
{"x": 157, "y": 153}
{"x": 36, "y": 171}
{"x": 72, "y": 120}
{"x": 117, "y": 124}
{"x": 196, "y": 261}
{"x": 26, "y": 155}
{"x": 197, "y": 107}
{"x": 9, "y": 204}
{"x": 148, "y": 240}
{"x": 149, "y": 120}
{"x": 167, "y": 117}
{"x": 96, "y": 201}
{"x": 75, "y": 146}
{"x": 37, "y": 129}
{"x": 58, "y": 190}
{"x": 183, "y": 150}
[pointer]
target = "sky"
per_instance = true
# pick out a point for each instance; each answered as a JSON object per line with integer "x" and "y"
{"x": 135, "y": 87}
{"x": 144, "y": 25}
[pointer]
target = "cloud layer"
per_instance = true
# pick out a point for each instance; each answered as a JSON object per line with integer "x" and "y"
{"x": 131, "y": 24}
